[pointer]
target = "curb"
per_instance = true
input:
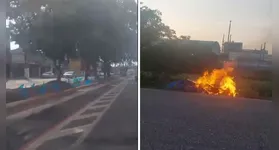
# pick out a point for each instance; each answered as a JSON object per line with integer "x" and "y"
{"x": 33, "y": 110}
{"x": 46, "y": 96}
{"x": 24, "y": 107}
{"x": 29, "y": 111}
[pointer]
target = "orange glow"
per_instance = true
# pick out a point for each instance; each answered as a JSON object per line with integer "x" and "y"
{"x": 217, "y": 82}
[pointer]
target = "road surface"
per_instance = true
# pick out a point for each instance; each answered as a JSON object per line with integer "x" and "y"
{"x": 105, "y": 118}
{"x": 190, "y": 121}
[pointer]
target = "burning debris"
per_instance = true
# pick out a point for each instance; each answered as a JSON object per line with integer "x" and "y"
{"x": 217, "y": 82}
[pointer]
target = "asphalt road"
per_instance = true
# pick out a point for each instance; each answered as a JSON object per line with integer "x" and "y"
{"x": 189, "y": 121}
{"x": 118, "y": 129}
{"x": 34, "y": 126}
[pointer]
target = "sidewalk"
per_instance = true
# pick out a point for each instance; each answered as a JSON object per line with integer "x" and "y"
{"x": 14, "y": 84}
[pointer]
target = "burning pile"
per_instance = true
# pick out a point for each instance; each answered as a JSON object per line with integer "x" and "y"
{"x": 217, "y": 82}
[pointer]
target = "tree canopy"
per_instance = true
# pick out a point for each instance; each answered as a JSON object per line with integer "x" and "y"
{"x": 163, "y": 51}
{"x": 90, "y": 29}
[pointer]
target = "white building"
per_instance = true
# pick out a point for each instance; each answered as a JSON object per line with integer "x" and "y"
{"x": 249, "y": 55}
{"x": 232, "y": 47}
{"x": 36, "y": 63}
{"x": 213, "y": 46}
{"x": 251, "y": 59}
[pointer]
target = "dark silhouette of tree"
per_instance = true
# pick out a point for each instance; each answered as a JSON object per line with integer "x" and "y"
{"x": 92, "y": 30}
{"x": 163, "y": 52}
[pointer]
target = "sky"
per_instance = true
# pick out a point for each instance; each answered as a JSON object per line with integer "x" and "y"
{"x": 209, "y": 19}
{"x": 12, "y": 44}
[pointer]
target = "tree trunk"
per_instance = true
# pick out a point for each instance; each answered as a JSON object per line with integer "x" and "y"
{"x": 59, "y": 71}
{"x": 95, "y": 70}
{"x": 86, "y": 74}
{"x": 26, "y": 66}
{"x": 107, "y": 68}
{"x": 59, "y": 75}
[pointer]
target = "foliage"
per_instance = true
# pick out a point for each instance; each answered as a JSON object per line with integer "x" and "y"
{"x": 152, "y": 27}
{"x": 162, "y": 51}
{"x": 171, "y": 57}
{"x": 90, "y": 29}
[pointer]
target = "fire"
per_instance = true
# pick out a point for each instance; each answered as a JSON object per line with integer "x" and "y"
{"x": 217, "y": 82}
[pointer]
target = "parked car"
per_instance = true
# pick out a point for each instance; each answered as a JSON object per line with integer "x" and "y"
{"x": 101, "y": 74}
{"x": 48, "y": 75}
{"x": 69, "y": 74}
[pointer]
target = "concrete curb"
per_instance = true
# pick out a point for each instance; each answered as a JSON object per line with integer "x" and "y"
{"x": 29, "y": 111}
{"x": 40, "y": 102}
{"x": 47, "y": 96}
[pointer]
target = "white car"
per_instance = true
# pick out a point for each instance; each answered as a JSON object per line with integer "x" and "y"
{"x": 48, "y": 75}
{"x": 69, "y": 74}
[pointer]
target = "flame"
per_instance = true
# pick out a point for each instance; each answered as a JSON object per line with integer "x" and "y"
{"x": 217, "y": 82}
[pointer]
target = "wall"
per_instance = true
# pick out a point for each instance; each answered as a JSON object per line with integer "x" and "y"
{"x": 216, "y": 48}
{"x": 249, "y": 55}
{"x": 75, "y": 65}
{"x": 232, "y": 46}
{"x": 210, "y": 45}
{"x": 18, "y": 58}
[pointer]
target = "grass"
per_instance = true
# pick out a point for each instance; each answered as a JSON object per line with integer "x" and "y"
{"x": 254, "y": 88}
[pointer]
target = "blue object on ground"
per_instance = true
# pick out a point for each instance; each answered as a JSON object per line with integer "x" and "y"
{"x": 43, "y": 89}
{"x": 23, "y": 91}
{"x": 21, "y": 86}
{"x": 77, "y": 81}
{"x": 176, "y": 84}
{"x": 180, "y": 84}
{"x": 88, "y": 82}
{"x": 56, "y": 87}
{"x": 172, "y": 84}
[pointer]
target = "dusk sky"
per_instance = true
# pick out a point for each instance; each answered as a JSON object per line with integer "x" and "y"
{"x": 209, "y": 19}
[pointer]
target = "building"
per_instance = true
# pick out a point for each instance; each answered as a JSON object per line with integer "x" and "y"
{"x": 212, "y": 46}
{"x": 35, "y": 63}
{"x": 75, "y": 65}
{"x": 232, "y": 47}
{"x": 257, "y": 59}
{"x": 268, "y": 58}
{"x": 248, "y": 55}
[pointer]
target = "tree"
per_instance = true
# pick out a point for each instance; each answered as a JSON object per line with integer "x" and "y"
{"x": 58, "y": 28}
{"x": 152, "y": 27}
{"x": 109, "y": 38}
{"x": 163, "y": 52}
{"x": 183, "y": 37}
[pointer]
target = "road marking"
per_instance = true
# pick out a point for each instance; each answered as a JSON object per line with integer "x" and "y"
{"x": 87, "y": 116}
{"x": 91, "y": 128}
{"x": 58, "y": 131}
{"x": 25, "y": 113}
{"x": 69, "y": 131}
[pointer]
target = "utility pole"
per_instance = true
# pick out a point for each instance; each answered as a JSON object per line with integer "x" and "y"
{"x": 229, "y": 32}
{"x": 8, "y": 55}
{"x": 223, "y": 40}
